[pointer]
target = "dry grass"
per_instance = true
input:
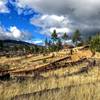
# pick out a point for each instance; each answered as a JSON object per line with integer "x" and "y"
{"x": 52, "y": 85}
{"x": 79, "y": 92}
{"x": 11, "y": 89}
{"x": 23, "y": 62}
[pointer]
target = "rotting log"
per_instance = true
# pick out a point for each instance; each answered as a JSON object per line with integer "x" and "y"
{"x": 43, "y": 68}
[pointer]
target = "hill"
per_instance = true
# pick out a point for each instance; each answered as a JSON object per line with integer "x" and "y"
{"x": 14, "y": 47}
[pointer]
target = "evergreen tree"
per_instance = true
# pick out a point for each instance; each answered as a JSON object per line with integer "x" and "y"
{"x": 59, "y": 45}
{"x": 76, "y": 37}
{"x": 54, "y": 36}
{"x": 65, "y": 37}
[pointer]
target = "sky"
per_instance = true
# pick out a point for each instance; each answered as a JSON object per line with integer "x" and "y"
{"x": 35, "y": 20}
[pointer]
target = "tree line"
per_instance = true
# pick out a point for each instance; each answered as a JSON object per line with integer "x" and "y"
{"x": 56, "y": 43}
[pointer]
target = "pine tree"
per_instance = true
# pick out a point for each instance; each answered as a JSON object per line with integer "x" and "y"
{"x": 76, "y": 37}
{"x": 65, "y": 37}
{"x": 54, "y": 36}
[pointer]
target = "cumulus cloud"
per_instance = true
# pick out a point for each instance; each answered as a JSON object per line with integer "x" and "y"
{"x": 77, "y": 7}
{"x": 51, "y": 22}
{"x": 14, "y": 33}
{"x": 82, "y": 14}
{"x": 3, "y": 8}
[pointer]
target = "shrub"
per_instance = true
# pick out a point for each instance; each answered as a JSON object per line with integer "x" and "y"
{"x": 95, "y": 43}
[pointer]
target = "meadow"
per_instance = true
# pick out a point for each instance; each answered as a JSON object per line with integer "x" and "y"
{"x": 66, "y": 83}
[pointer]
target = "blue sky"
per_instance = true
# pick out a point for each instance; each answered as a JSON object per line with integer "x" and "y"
{"x": 35, "y": 20}
{"x": 21, "y": 22}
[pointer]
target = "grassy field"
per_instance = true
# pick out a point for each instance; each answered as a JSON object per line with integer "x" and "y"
{"x": 60, "y": 84}
{"x": 80, "y": 92}
{"x": 51, "y": 82}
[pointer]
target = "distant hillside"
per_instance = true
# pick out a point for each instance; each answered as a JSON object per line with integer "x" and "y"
{"x": 13, "y": 47}
{"x": 15, "y": 42}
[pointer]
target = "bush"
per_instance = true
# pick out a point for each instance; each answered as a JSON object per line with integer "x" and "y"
{"x": 95, "y": 43}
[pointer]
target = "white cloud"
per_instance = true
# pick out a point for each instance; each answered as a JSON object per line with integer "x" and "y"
{"x": 14, "y": 33}
{"x": 3, "y": 8}
{"x": 78, "y": 7}
{"x": 38, "y": 41}
{"x": 82, "y": 14}
{"x": 21, "y": 8}
{"x": 51, "y": 22}
{"x": 35, "y": 41}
